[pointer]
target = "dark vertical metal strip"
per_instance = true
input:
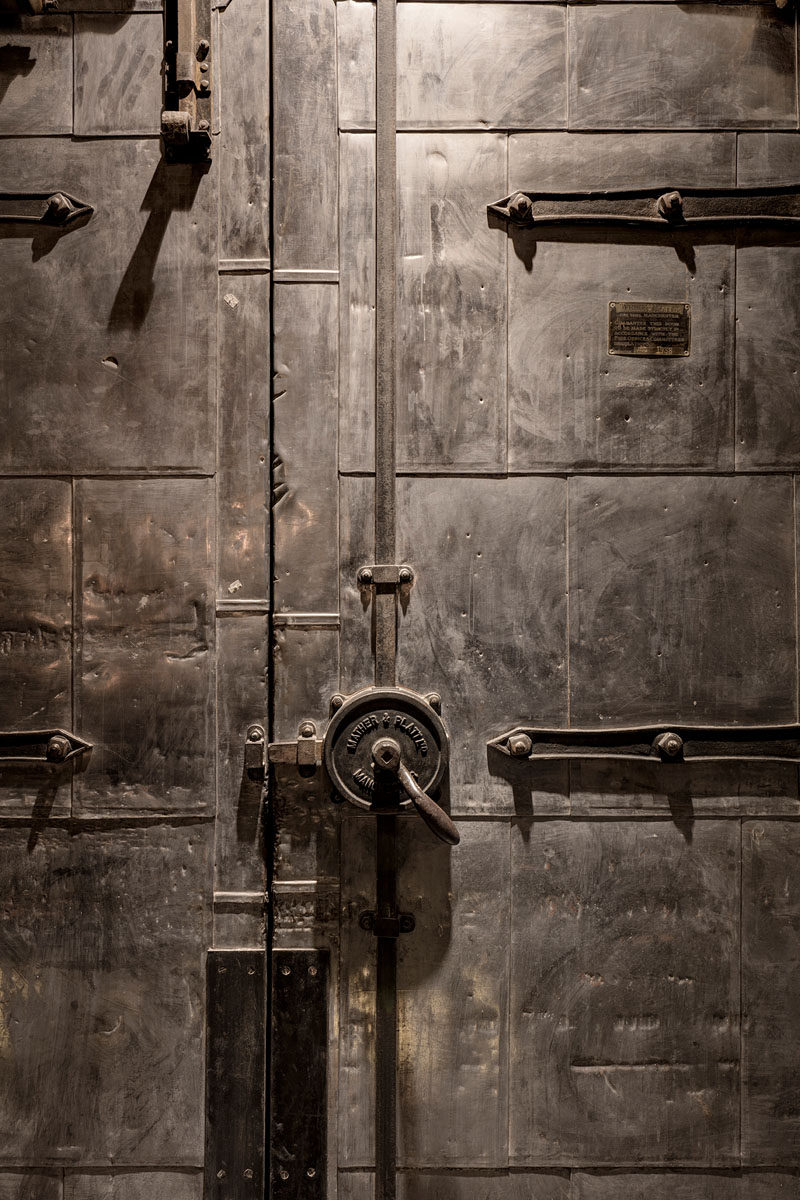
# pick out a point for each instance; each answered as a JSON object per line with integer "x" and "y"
{"x": 386, "y": 1018}
{"x": 236, "y": 984}
{"x": 299, "y": 1074}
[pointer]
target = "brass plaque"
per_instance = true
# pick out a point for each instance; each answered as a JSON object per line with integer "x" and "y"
{"x": 651, "y": 329}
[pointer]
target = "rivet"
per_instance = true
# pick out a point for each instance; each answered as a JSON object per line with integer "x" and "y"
{"x": 307, "y": 729}
{"x": 336, "y": 702}
{"x": 405, "y": 575}
{"x": 221, "y": 1174}
{"x": 312, "y": 970}
{"x": 284, "y": 1174}
{"x": 311, "y": 1172}
{"x": 286, "y": 970}
{"x": 364, "y": 577}
{"x": 248, "y": 1174}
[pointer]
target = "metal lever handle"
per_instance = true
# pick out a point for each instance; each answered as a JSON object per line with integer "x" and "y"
{"x": 386, "y": 755}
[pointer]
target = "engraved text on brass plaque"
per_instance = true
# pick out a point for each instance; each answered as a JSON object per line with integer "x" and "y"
{"x": 639, "y": 328}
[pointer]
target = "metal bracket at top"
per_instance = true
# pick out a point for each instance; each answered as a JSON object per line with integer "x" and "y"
{"x": 666, "y": 208}
{"x": 665, "y": 743}
{"x": 187, "y": 114}
{"x": 386, "y": 574}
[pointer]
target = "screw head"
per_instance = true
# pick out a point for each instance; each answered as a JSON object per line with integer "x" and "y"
{"x": 520, "y": 745}
{"x": 405, "y": 575}
{"x": 203, "y": 47}
{"x": 307, "y": 729}
{"x": 670, "y": 744}
{"x": 364, "y": 577}
{"x": 255, "y": 733}
{"x": 205, "y": 86}
{"x": 336, "y": 702}
{"x": 311, "y": 1172}
{"x": 435, "y": 701}
{"x": 670, "y": 206}
{"x": 284, "y": 1174}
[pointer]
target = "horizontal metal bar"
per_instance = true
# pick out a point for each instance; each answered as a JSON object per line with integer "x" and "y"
{"x": 53, "y": 748}
{"x": 53, "y": 209}
{"x": 657, "y": 206}
{"x": 665, "y": 743}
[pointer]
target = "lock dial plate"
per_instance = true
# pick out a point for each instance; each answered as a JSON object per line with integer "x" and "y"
{"x": 379, "y": 713}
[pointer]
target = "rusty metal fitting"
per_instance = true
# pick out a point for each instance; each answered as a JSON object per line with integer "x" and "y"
{"x": 58, "y": 748}
{"x": 670, "y": 206}
{"x": 337, "y": 701}
{"x": 364, "y": 577}
{"x": 435, "y": 701}
{"x": 405, "y": 575}
{"x": 386, "y": 754}
{"x": 669, "y": 744}
{"x": 520, "y": 745}
{"x": 306, "y": 729}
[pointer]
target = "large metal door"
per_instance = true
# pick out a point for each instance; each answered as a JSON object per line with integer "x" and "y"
{"x": 598, "y": 997}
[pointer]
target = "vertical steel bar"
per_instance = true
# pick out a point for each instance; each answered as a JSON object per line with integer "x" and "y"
{"x": 385, "y": 596}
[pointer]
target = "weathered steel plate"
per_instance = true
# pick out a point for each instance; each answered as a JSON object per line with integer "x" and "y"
{"x": 747, "y": 49}
{"x": 299, "y": 1151}
{"x": 144, "y": 698}
{"x": 236, "y": 1063}
{"x": 118, "y": 59}
{"x": 128, "y": 1185}
{"x": 451, "y": 1185}
{"x": 35, "y": 76}
{"x": 624, "y": 1041}
{"x": 649, "y": 329}
{"x": 107, "y": 331}
{"x": 681, "y": 600}
{"x": 100, "y": 953}
{"x": 770, "y": 980}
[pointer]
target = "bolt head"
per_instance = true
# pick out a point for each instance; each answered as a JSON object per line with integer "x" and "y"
{"x": 405, "y": 575}
{"x": 520, "y": 745}
{"x": 336, "y": 702}
{"x": 670, "y": 744}
{"x": 311, "y": 1172}
{"x": 307, "y": 729}
{"x": 670, "y": 206}
{"x": 205, "y": 86}
{"x": 520, "y": 208}
{"x": 364, "y": 577}
{"x": 435, "y": 701}
{"x": 58, "y": 748}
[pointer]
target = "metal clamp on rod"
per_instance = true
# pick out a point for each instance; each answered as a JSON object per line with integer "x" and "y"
{"x": 55, "y": 210}
{"x": 187, "y": 114}
{"x": 52, "y": 749}
{"x": 664, "y": 743}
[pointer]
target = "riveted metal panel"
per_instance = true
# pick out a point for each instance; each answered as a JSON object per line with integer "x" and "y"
{"x": 35, "y": 75}
{"x": 770, "y": 978}
{"x": 452, "y": 980}
{"x": 139, "y": 1185}
{"x": 448, "y": 76}
{"x": 36, "y": 613}
{"x": 304, "y": 132}
{"x": 101, "y": 981}
{"x": 118, "y": 73}
{"x": 682, "y": 600}
{"x": 244, "y": 130}
{"x": 235, "y": 1074}
{"x": 570, "y": 401}
{"x": 747, "y": 50}
{"x": 485, "y": 618}
{"x": 624, "y": 1028}
{"x": 145, "y": 694}
{"x": 106, "y": 333}
{"x": 241, "y": 701}
{"x": 451, "y": 301}
{"x": 305, "y": 416}
{"x": 244, "y": 383}
{"x": 446, "y": 1185}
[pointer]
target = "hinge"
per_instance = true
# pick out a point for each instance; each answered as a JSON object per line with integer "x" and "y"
{"x": 186, "y": 117}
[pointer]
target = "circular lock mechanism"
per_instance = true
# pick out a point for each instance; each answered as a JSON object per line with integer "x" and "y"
{"x": 374, "y": 730}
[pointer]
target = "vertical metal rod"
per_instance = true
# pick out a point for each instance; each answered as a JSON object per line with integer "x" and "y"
{"x": 386, "y": 1019}
{"x": 385, "y": 599}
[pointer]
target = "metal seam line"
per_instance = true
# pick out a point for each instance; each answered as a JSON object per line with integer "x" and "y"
{"x": 385, "y": 597}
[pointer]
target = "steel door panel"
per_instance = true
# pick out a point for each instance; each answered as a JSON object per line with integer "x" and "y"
{"x": 243, "y": 149}
{"x": 142, "y": 1185}
{"x": 746, "y": 50}
{"x": 768, "y": 324}
{"x": 145, "y": 698}
{"x": 304, "y": 134}
{"x": 305, "y": 667}
{"x": 38, "y": 1185}
{"x": 486, "y": 617}
{"x": 683, "y": 791}
{"x": 243, "y": 436}
{"x": 447, "y": 66}
{"x": 102, "y": 981}
{"x": 241, "y": 666}
{"x": 36, "y": 607}
{"x": 772, "y": 1185}
{"x": 770, "y": 979}
{"x": 118, "y": 62}
{"x": 767, "y": 158}
{"x": 358, "y": 1185}
{"x": 573, "y": 162}
{"x": 305, "y": 448}
{"x": 107, "y": 332}
{"x": 570, "y": 402}
{"x": 451, "y": 300}
{"x": 651, "y": 559}
{"x": 452, "y": 980}
{"x": 36, "y": 75}
{"x": 624, "y": 1028}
